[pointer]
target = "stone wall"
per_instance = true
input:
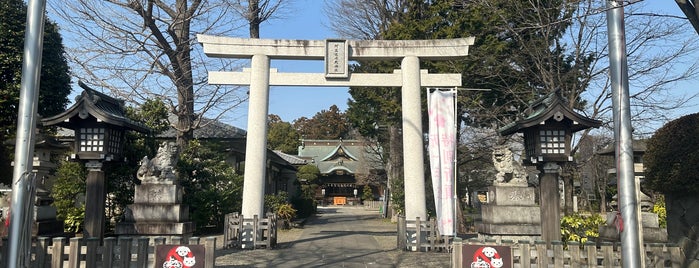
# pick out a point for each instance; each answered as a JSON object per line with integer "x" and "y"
{"x": 683, "y": 225}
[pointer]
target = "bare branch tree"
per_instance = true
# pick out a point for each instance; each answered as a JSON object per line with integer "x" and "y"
{"x": 659, "y": 54}
{"x": 146, "y": 49}
{"x": 258, "y": 11}
{"x": 363, "y": 19}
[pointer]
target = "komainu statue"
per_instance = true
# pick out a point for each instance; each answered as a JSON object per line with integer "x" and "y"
{"x": 509, "y": 171}
{"x": 160, "y": 169}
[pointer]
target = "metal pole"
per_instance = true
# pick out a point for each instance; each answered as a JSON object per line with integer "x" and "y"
{"x": 456, "y": 154}
{"x": 631, "y": 244}
{"x": 19, "y": 240}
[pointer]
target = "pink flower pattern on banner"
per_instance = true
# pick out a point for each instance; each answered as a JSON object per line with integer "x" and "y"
{"x": 442, "y": 138}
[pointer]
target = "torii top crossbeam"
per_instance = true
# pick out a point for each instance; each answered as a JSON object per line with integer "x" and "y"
{"x": 437, "y": 49}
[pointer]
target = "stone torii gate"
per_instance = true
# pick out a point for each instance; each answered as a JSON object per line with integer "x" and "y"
{"x": 336, "y": 54}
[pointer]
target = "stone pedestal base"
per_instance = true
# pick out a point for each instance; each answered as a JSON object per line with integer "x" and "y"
{"x": 510, "y": 213}
{"x": 45, "y": 222}
{"x": 157, "y": 210}
{"x": 48, "y": 228}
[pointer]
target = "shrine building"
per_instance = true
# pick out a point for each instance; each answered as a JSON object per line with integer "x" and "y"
{"x": 346, "y": 166}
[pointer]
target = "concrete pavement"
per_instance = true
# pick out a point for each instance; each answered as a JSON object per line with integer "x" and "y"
{"x": 336, "y": 237}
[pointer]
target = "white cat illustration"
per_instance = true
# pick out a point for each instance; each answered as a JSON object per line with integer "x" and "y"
{"x": 188, "y": 261}
{"x": 496, "y": 263}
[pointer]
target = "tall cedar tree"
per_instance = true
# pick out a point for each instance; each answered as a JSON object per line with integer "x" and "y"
{"x": 55, "y": 79}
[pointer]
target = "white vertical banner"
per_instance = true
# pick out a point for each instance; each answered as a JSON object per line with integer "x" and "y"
{"x": 442, "y": 141}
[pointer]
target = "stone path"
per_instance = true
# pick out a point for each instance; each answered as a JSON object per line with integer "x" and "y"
{"x": 335, "y": 237}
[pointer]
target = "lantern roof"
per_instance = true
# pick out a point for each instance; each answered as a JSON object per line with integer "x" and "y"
{"x": 98, "y": 105}
{"x": 552, "y": 105}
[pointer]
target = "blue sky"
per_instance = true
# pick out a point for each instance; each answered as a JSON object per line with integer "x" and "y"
{"x": 307, "y": 21}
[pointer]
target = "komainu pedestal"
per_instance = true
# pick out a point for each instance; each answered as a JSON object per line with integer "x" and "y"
{"x": 157, "y": 207}
{"x": 511, "y": 213}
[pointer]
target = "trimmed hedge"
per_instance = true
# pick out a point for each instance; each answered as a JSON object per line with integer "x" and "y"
{"x": 671, "y": 159}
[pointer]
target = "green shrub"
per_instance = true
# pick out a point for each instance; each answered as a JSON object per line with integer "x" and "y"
{"x": 74, "y": 219}
{"x": 367, "y": 194}
{"x": 304, "y": 207}
{"x": 659, "y": 209}
{"x": 68, "y": 193}
{"x": 580, "y": 228}
{"x": 274, "y": 201}
{"x": 286, "y": 213}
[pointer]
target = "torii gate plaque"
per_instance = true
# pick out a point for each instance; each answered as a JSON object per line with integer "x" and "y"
{"x": 337, "y": 54}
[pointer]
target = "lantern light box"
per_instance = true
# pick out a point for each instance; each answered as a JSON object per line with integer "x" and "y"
{"x": 99, "y": 122}
{"x": 548, "y": 129}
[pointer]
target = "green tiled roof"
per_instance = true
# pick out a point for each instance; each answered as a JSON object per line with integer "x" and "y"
{"x": 351, "y": 156}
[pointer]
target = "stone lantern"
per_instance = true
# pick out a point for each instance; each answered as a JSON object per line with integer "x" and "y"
{"x": 100, "y": 123}
{"x": 547, "y": 131}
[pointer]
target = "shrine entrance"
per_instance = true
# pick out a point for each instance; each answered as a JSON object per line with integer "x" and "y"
{"x": 336, "y": 54}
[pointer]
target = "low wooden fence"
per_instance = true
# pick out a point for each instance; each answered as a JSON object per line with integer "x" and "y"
{"x": 605, "y": 254}
{"x": 264, "y": 230}
{"x": 121, "y": 252}
{"x": 372, "y": 205}
{"x": 420, "y": 235}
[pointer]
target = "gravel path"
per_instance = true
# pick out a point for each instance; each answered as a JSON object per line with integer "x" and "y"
{"x": 335, "y": 237}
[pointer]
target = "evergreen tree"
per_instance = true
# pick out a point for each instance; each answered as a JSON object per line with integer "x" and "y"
{"x": 328, "y": 124}
{"x": 54, "y": 81}
{"x": 281, "y": 135}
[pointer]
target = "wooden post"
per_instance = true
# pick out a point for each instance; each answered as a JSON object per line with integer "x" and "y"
{"x": 91, "y": 251}
{"x": 542, "y": 257}
{"x": 591, "y": 250}
{"x": 418, "y": 234}
{"x": 608, "y": 254}
{"x": 94, "y": 200}
{"x": 255, "y": 231}
{"x": 210, "y": 245}
{"x": 41, "y": 251}
{"x": 74, "y": 252}
{"x": 558, "y": 256}
{"x": 57, "y": 252}
{"x": 142, "y": 252}
{"x": 526, "y": 254}
{"x": 574, "y": 248}
{"x": 108, "y": 251}
{"x": 125, "y": 251}
{"x": 457, "y": 253}
{"x": 402, "y": 235}
{"x": 549, "y": 203}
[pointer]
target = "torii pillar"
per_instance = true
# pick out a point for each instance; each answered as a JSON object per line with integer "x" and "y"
{"x": 336, "y": 54}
